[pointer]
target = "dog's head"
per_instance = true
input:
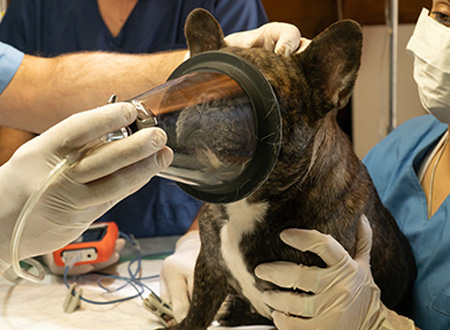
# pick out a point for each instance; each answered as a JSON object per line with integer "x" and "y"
{"x": 310, "y": 87}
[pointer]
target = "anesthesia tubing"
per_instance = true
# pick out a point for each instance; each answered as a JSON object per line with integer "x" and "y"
{"x": 24, "y": 216}
{"x": 34, "y": 198}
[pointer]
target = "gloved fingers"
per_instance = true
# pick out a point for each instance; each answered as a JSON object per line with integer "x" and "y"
{"x": 363, "y": 240}
{"x": 163, "y": 290}
{"x": 180, "y": 306}
{"x": 283, "y": 321}
{"x": 325, "y": 246}
{"x": 84, "y": 127}
{"x": 118, "y": 185}
{"x": 304, "y": 43}
{"x": 130, "y": 179}
{"x": 290, "y": 303}
{"x": 245, "y": 39}
{"x": 173, "y": 290}
{"x": 292, "y": 276}
{"x": 177, "y": 274}
{"x": 286, "y": 38}
{"x": 281, "y": 38}
{"x": 190, "y": 286}
{"x": 113, "y": 156}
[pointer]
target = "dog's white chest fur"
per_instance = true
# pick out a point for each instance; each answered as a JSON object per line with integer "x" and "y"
{"x": 243, "y": 217}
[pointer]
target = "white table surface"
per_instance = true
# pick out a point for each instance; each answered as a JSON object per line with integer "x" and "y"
{"x": 36, "y": 306}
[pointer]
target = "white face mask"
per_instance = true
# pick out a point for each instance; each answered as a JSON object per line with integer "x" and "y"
{"x": 430, "y": 47}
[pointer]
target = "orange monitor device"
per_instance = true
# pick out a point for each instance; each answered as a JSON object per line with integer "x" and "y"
{"x": 95, "y": 245}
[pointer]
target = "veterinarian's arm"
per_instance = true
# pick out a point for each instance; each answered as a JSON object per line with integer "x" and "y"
{"x": 44, "y": 91}
{"x": 345, "y": 295}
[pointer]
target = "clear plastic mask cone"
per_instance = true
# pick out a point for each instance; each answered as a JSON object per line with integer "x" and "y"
{"x": 215, "y": 115}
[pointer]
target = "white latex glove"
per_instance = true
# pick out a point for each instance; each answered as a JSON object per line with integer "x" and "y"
{"x": 84, "y": 191}
{"x": 86, "y": 268}
{"x": 177, "y": 274}
{"x": 280, "y": 38}
{"x": 345, "y": 295}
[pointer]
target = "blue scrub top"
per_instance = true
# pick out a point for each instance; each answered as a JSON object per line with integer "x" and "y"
{"x": 53, "y": 27}
{"x": 10, "y": 59}
{"x": 393, "y": 165}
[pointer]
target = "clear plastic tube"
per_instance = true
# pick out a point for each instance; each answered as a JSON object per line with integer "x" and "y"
{"x": 34, "y": 198}
{"x": 23, "y": 218}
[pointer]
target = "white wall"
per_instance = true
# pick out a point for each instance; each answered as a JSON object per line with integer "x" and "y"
{"x": 371, "y": 95}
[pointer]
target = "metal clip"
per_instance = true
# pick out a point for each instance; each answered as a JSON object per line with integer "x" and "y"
{"x": 146, "y": 118}
{"x": 119, "y": 134}
{"x": 160, "y": 309}
{"x": 112, "y": 99}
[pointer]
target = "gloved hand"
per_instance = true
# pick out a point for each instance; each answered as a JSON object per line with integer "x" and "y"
{"x": 177, "y": 274}
{"x": 345, "y": 295}
{"x": 84, "y": 191}
{"x": 86, "y": 268}
{"x": 280, "y": 38}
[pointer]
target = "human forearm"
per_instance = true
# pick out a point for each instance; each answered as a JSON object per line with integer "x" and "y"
{"x": 45, "y": 91}
{"x": 10, "y": 140}
{"x": 194, "y": 224}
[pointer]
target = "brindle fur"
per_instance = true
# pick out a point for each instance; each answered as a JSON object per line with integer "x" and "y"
{"x": 318, "y": 181}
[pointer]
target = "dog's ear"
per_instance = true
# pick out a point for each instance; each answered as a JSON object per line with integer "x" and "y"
{"x": 331, "y": 62}
{"x": 203, "y": 32}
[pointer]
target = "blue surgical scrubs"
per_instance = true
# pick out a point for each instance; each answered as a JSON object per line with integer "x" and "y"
{"x": 393, "y": 165}
{"x": 10, "y": 59}
{"x": 53, "y": 27}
